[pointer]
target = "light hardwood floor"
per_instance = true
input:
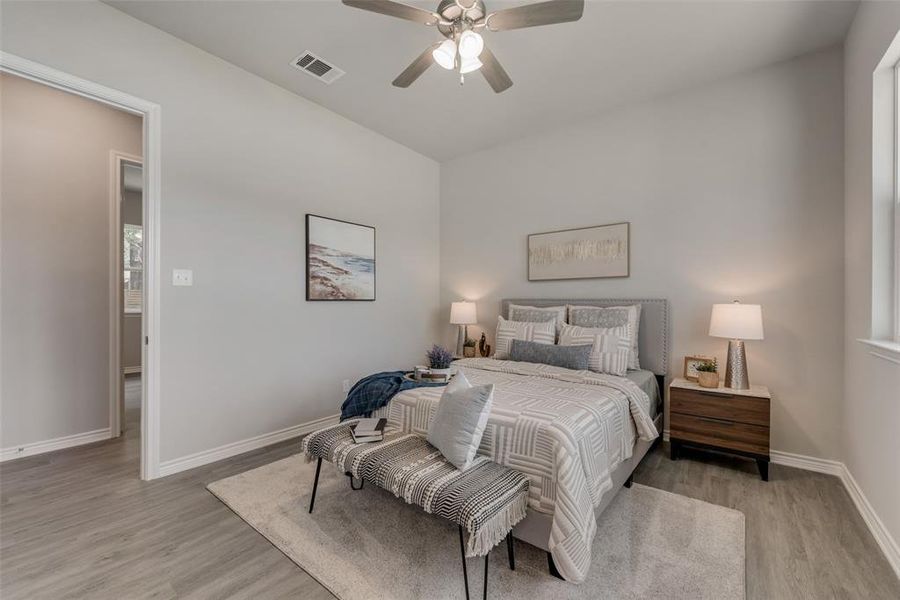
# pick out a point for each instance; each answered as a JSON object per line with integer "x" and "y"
{"x": 80, "y": 524}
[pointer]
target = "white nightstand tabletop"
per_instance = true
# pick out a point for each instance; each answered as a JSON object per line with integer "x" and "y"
{"x": 756, "y": 391}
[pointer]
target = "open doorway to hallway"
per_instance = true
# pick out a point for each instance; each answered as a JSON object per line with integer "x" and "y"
{"x": 71, "y": 278}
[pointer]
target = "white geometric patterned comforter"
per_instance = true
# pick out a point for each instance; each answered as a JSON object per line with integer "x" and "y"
{"x": 567, "y": 430}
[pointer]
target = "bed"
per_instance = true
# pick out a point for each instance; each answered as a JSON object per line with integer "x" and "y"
{"x": 578, "y": 435}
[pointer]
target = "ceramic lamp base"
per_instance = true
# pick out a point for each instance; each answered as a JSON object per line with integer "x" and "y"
{"x": 736, "y": 370}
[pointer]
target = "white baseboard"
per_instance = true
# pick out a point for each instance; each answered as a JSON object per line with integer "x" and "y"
{"x": 884, "y": 538}
{"x": 807, "y": 463}
{"x": 59, "y": 443}
{"x": 170, "y": 467}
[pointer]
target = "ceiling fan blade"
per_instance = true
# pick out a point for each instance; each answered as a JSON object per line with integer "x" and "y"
{"x": 395, "y": 9}
{"x": 532, "y": 15}
{"x": 494, "y": 73}
{"x": 416, "y": 68}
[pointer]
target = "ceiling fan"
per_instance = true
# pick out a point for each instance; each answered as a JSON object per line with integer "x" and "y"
{"x": 460, "y": 21}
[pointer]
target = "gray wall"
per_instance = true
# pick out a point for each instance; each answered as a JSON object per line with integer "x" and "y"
{"x": 54, "y": 243}
{"x": 132, "y": 214}
{"x": 243, "y": 354}
{"x": 733, "y": 190}
{"x": 871, "y": 410}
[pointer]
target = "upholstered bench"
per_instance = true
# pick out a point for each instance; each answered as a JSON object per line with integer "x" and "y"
{"x": 486, "y": 500}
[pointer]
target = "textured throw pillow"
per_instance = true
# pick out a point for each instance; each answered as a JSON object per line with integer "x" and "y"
{"x": 507, "y": 331}
{"x": 460, "y": 420}
{"x": 569, "y": 357}
{"x": 538, "y": 314}
{"x": 611, "y": 348}
{"x": 610, "y": 316}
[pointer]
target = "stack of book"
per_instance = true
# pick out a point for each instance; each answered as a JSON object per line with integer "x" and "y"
{"x": 368, "y": 430}
{"x": 425, "y": 374}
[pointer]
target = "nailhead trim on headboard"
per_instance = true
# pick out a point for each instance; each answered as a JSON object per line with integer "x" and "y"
{"x": 654, "y": 355}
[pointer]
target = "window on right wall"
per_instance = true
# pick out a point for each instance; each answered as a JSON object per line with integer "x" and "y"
{"x": 884, "y": 332}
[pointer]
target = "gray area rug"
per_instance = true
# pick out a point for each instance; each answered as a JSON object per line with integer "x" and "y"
{"x": 368, "y": 544}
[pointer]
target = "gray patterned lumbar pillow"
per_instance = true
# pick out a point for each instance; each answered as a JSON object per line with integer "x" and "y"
{"x": 460, "y": 420}
{"x": 569, "y": 357}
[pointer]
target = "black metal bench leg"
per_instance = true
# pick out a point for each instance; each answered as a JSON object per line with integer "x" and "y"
{"x": 462, "y": 550}
{"x": 629, "y": 481}
{"x": 511, "y": 551}
{"x": 312, "y": 499}
{"x": 486, "y": 557}
{"x": 552, "y": 566}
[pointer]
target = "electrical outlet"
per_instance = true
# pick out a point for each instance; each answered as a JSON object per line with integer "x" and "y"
{"x": 345, "y": 385}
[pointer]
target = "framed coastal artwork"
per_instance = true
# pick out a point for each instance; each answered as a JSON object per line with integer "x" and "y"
{"x": 340, "y": 260}
{"x": 583, "y": 253}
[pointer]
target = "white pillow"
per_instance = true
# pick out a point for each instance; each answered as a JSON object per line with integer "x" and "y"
{"x": 460, "y": 420}
{"x": 538, "y": 314}
{"x": 610, "y": 316}
{"x": 507, "y": 331}
{"x": 612, "y": 348}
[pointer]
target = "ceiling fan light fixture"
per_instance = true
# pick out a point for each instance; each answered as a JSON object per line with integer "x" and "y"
{"x": 469, "y": 64}
{"x": 445, "y": 54}
{"x": 470, "y": 44}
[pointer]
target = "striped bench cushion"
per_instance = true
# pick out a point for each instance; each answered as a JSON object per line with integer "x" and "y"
{"x": 487, "y": 499}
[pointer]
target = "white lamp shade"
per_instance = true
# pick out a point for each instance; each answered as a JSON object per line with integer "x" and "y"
{"x": 463, "y": 313}
{"x": 736, "y": 321}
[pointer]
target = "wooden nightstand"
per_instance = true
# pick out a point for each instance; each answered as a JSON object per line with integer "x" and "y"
{"x": 722, "y": 419}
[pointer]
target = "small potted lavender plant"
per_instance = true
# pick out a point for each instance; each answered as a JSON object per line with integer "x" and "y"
{"x": 439, "y": 359}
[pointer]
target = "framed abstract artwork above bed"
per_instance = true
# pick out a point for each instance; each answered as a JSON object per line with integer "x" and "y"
{"x": 340, "y": 260}
{"x": 583, "y": 253}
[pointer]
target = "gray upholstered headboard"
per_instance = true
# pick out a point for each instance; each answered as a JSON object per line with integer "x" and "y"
{"x": 653, "y": 333}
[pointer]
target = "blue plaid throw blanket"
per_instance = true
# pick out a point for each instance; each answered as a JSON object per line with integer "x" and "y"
{"x": 372, "y": 392}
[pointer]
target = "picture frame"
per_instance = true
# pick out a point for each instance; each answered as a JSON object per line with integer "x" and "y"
{"x": 595, "y": 252}
{"x": 340, "y": 260}
{"x": 690, "y": 366}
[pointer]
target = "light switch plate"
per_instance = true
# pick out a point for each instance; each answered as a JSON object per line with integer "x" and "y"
{"x": 182, "y": 277}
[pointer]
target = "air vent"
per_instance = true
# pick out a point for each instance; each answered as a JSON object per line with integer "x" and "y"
{"x": 317, "y": 67}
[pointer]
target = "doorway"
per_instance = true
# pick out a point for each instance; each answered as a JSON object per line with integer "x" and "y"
{"x": 150, "y": 114}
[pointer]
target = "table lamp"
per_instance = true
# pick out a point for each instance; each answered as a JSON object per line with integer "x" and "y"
{"x": 736, "y": 322}
{"x": 462, "y": 314}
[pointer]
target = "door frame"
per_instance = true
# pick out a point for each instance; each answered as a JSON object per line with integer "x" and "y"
{"x": 117, "y": 160}
{"x": 152, "y": 133}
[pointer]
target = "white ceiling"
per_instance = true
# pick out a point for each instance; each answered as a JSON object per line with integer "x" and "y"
{"x": 619, "y": 52}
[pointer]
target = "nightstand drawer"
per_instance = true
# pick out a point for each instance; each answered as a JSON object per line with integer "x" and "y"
{"x": 742, "y": 409}
{"x": 721, "y": 433}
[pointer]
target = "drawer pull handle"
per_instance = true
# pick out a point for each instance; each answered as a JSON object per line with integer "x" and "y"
{"x": 716, "y": 421}
{"x": 715, "y": 395}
